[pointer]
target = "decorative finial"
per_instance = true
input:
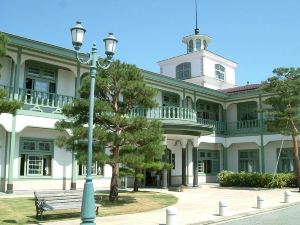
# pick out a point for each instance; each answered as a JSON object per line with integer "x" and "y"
{"x": 196, "y": 29}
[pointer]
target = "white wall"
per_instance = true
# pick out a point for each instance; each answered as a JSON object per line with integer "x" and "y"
{"x": 62, "y": 159}
{"x": 65, "y": 83}
{"x": 232, "y": 113}
{"x": 209, "y": 69}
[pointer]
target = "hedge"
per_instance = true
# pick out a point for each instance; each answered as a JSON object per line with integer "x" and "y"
{"x": 263, "y": 180}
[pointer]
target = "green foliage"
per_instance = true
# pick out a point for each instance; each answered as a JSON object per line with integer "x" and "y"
{"x": 133, "y": 140}
{"x": 6, "y": 105}
{"x": 3, "y": 42}
{"x": 263, "y": 180}
{"x": 284, "y": 86}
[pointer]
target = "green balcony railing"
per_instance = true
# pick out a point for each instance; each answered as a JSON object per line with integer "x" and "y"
{"x": 52, "y": 101}
{"x": 244, "y": 127}
{"x": 43, "y": 99}
{"x": 166, "y": 113}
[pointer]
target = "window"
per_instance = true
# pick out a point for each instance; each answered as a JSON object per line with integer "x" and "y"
{"x": 198, "y": 44}
{"x": 220, "y": 72}
{"x": 208, "y": 162}
{"x": 205, "y": 44}
{"x": 191, "y": 46}
{"x": 183, "y": 71}
{"x": 97, "y": 169}
{"x": 286, "y": 160}
{"x": 207, "y": 110}
{"x": 170, "y": 99}
{"x": 249, "y": 160}
{"x": 247, "y": 111}
{"x": 40, "y": 82}
{"x": 36, "y": 157}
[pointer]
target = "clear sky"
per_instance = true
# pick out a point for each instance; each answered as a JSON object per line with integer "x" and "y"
{"x": 257, "y": 34}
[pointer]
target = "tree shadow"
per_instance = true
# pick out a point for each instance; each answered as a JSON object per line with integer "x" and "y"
{"x": 122, "y": 200}
{"x": 9, "y": 221}
{"x": 54, "y": 216}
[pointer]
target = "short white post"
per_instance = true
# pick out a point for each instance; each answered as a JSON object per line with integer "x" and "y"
{"x": 287, "y": 196}
{"x": 171, "y": 213}
{"x": 260, "y": 201}
{"x": 223, "y": 208}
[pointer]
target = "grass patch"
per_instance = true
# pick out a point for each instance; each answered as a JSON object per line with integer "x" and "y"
{"x": 22, "y": 210}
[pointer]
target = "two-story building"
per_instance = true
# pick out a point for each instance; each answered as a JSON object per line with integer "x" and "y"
{"x": 209, "y": 123}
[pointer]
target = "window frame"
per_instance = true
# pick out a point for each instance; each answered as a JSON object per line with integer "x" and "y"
{"x": 220, "y": 70}
{"x": 36, "y": 152}
{"x": 184, "y": 71}
{"x": 289, "y": 157}
{"x": 255, "y": 159}
{"x": 83, "y": 169}
{"x": 214, "y": 158}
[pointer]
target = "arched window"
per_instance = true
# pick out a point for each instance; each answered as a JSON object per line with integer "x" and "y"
{"x": 204, "y": 44}
{"x": 198, "y": 44}
{"x": 183, "y": 71}
{"x": 191, "y": 46}
{"x": 220, "y": 72}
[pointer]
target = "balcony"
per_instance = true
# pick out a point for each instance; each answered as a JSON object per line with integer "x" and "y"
{"x": 245, "y": 127}
{"x": 38, "y": 100}
{"x": 175, "y": 120}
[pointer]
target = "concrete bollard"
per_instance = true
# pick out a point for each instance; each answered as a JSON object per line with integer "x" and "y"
{"x": 287, "y": 196}
{"x": 260, "y": 201}
{"x": 171, "y": 213}
{"x": 223, "y": 208}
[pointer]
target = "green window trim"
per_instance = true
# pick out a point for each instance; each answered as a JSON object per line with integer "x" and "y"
{"x": 97, "y": 169}
{"x": 40, "y": 77}
{"x": 170, "y": 99}
{"x": 207, "y": 110}
{"x": 247, "y": 111}
{"x": 183, "y": 71}
{"x": 208, "y": 162}
{"x": 36, "y": 157}
{"x": 248, "y": 160}
{"x": 286, "y": 160}
{"x": 220, "y": 72}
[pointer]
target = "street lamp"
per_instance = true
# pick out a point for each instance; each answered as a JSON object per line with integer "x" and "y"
{"x": 77, "y": 32}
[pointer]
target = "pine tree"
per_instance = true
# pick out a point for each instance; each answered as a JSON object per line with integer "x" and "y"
{"x": 146, "y": 155}
{"x": 284, "y": 116}
{"x": 6, "y": 105}
{"x": 118, "y": 92}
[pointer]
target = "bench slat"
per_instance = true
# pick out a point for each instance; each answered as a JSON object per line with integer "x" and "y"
{"x": 59, "y": 200}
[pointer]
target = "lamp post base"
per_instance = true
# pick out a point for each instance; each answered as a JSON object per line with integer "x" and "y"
{"x": 88, "y": 203}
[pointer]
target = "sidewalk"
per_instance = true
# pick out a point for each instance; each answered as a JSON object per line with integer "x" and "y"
{"x": 196, "y": 205}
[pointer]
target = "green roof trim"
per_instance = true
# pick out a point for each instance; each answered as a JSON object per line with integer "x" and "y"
{"x": 41, "y": 47}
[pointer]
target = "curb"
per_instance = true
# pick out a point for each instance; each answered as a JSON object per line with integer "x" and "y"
{"x": 247, "y": 214}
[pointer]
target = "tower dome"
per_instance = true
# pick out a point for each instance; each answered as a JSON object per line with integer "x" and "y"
{"x": 196, "y": 41}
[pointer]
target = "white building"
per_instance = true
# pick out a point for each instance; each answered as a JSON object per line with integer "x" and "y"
{"x": 209, "y": 123}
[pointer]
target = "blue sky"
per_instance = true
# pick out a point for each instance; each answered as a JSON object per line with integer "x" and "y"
{"x": 257, "y": 34}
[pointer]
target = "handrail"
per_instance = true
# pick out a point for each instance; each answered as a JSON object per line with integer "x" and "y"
{"x": 45, "y": 99}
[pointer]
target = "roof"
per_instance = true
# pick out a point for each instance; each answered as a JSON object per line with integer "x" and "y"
{"x": 247, "y": 87}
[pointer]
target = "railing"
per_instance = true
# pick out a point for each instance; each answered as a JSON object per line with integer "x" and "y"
{"x": 44, "y": 99}
{"x": 55, "y": 101}
{"x": 166, "y": 113}
{"x": 244, "y": 127}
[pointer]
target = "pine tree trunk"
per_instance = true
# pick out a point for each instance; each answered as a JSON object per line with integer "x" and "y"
{"x": 296, "y": 159}
{"x": 114, "y": 189}
{"x": 296, "y": 154}
{"x": 136, "y": 183}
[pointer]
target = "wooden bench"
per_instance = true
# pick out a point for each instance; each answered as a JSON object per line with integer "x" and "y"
{"x": 58, "y": 200}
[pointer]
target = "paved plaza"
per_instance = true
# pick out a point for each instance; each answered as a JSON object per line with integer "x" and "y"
{"x": 200, "y": 206}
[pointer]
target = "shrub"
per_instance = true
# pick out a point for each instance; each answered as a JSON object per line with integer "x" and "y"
{"x": 263, "y": 180}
